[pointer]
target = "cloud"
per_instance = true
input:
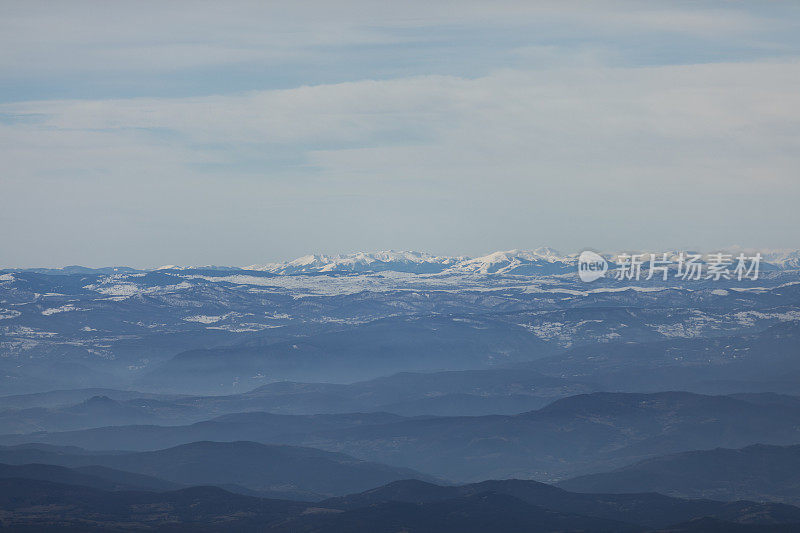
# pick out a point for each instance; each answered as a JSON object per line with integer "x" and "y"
{"x": 674, "y": 117}
{"x": 157, "y": 37}
{"x": 550, "y": 139}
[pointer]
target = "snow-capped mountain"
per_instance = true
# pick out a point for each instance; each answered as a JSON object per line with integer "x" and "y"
{"x": 783, "y": 259}
{"x": 541, "y": 261}
{"x": 522, "y": 262}
{"x": 396, "y": 261}
{"x": 125, "y": 321}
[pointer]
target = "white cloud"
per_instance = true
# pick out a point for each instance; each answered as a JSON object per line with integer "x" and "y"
{"x": 160, "y": 36}
{"x": 550, "y": 136}
{"x": 680, "y": 118}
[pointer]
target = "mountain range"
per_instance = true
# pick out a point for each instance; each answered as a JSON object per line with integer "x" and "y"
{"x": 411, "y": 506}
{"x": 758, "y": 472}
{"x": 605, "y": 431}
{"x": 260, "y": 468}
{"x": 538, "y": 261}
{"x": 399, "y": 391}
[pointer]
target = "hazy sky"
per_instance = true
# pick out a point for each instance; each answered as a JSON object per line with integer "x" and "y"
{"x": 234, "y": 133}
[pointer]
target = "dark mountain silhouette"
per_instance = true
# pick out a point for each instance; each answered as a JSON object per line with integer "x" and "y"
{"x": 104, "y": 478}
{"x": 68, "y": 397}
{"x": 410, "y": 506}
{"x": 254, "y": 466}
{"x": 758, "y": 472}
{"x": 96, "y": 477}
{"x": 94, "y": 411}
{"x": 713, "y": 525}
{"x": 35, "y": 505}
{"x": 477, "y": 513}
{"x": 466, "y": 392}
{"x": 648, "y": 510}
{"x": 579, "y": 434}
{"x": 257, "y": 426}
{"x": 576, "y": 435}
{"x": 452, "y": 393}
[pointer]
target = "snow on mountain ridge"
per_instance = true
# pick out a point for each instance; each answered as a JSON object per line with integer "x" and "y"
{"x": 402, "y": 261}
{"x": 541, "y": 260}
{"x": 538, "y": 261}
{"x": 783, "y": 259}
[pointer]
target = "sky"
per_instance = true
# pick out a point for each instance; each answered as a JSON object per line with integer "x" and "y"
{"x": 233, "y": 133}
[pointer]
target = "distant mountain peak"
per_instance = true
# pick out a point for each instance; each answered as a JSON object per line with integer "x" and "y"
{"x": 539, "y": 260}
{"x": 525, "y": 262}
{"x": 542, "y": 260}
{"x": 357, "y": 262}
